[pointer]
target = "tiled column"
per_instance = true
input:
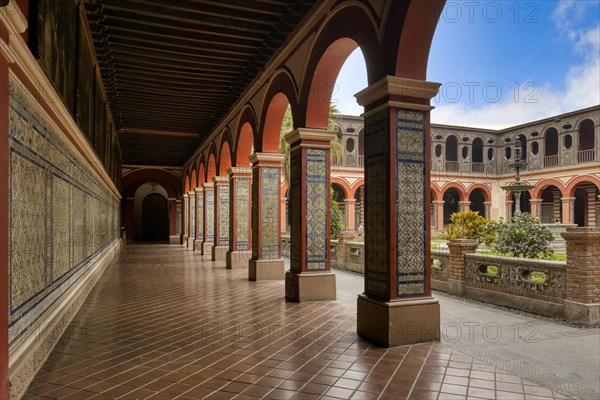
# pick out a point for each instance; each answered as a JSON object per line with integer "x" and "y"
{"x": 266, "y": 262}
{"x": 178, "y": 218}
{"x": 192, "y": 207}
{"x": 239, "y": 217}
{"x": 209, "y": 219}
{"x": 488, "y": 209}
{"x": 199, "y": 218}
{"x": 397, "y": 307}
{"x": 439, "y": 214}
{"x": 310, "y": 277}
{"x": 221, "y": 240}
{"x": 536, "y": 208}
{"x": 582, "y": 303}
{"x": 186, "y": 218}
{"x": 464, "y": 205}
{"x": 568, "y": 209}
{"x": 350, "y": 222}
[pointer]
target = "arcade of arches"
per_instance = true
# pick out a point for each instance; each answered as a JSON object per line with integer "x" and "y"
{"x": 165, "y": 120}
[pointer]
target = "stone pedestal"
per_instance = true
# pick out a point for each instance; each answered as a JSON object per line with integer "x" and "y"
{"x": 456, "y": 277}
{"x": 582, "y": 304}
{"x": 208, "y": 234}
{"x": 239, "y": 252}
{"x": 397, "y": 300}
{"x": 310, "y": 277}
{"x": 221, "y": 210}
{"x": 266, "y": 262}
{"x": 199, "y": 219}
{"x": 192, "y": 231}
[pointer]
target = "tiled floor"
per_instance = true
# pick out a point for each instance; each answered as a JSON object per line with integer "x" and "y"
{"x": 162, "y": 324}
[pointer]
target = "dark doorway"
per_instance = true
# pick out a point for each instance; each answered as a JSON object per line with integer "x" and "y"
{"x": 477, "y": 199}
{"x": 579, "y": 210}
{"x": 155, "y": 218}
{"x": 451, "y": 199}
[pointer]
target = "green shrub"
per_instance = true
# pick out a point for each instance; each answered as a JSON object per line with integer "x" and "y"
{"x": 524, "y": 236}
{"x": 470, "y": 225}
{"x": 336, "y": 217}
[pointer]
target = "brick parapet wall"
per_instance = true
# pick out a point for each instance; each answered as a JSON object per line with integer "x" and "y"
{"x": 583, "y": 264}
{"x": 458, "y": 248}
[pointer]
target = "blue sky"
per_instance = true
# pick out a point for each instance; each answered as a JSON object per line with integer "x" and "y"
{"x": 503, "y": 63}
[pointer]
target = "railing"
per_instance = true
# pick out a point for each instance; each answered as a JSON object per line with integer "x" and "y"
{"x": 586, "y": 156}
{"x": 451, "y": 166}
{"x": 551, "y": 161}
{"x": 478, "y": 167}
{"x": 440, "y": 265}
{"x": 517, "y": 276}
{"x": 361, "y": 161}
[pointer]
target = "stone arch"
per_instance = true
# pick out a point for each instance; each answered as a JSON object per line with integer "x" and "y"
{"x": 357, "y": 185}
{"x": 142, "y": 192}
{"x": 336, "y": 40}
{"x": 282, "y": 92}
{"x": 211, "y": 165}
{"x": 537, "y": 190}
{"x": 244, "y": 144}
{"x": 486, "y": 191}
{"x": 343, "y": 185}
{"x": 186, "y": 187}
{"x": 224, "y": 156}
{"x": 194, "y": 180}
{"x": 201, "y": 170}
{"x": 572, "y": 185}
{"x": 459, "y": 187}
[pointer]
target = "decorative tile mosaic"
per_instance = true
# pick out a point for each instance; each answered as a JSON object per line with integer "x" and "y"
{"x": 317, "y": 213}
{"x": 294, "y": 210}
{"x": 376, "y": 241}
{"x": 178, "y": 219}
{"x": 209, "y": 205}
{"x": 200, "y": 211}
{"x": 61, "y": 217}
{"x": 270, "y": 212}
{"x": 186, "y": 216}
{"x": 223, "y": 214}
{"x": 256, "y": 223}
{"x": 411, "y": 200}
{"x": 241, "y": 213}
{"x": 193, "y": 216}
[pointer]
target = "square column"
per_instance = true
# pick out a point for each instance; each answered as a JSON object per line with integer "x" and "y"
{"x": 239, "y": 217}
{"x": 221, "y": 240}
{"x": 464, "y": 205}
{"x": 568, "y": 209}
{"x": 192, "y": 211}
{"x": 536, "y": 208}
{"x": 310, "y": 277}
{"x": 208, "y": 233}
{"x": 199, "y": 218}
{"x": 186, "y": 218}
{"x": 488, "y": 209}
{"x": 350, "y": 222}
{"x": 438, "y": 206}
{"x": 266, "y": 262}
{"x": 396, "y": 307}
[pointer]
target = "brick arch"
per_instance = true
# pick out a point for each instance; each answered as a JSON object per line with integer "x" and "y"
{"x": 282, "y": 92}
{"x": 462, "y": 193}
{"x": 224, "y": 157}
{"x": 193, "y": 180}
{"x": 357, "y": 185}
{"x": 201, "y": 169}
{"x": 486, "y": 191}
{"x": 186, "y": 187}
{"x": 336, "y": 40}
{"x": 433, "y": 186}
{"x": 211, "y": 164}
{"x": 572, "y": 185}
{"x": 536, "y": 192}
{"x": 343, "y": 184}
{"x": 245, "y": 136}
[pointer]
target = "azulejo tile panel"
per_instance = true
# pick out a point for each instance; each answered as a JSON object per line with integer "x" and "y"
{"x": 186, "y": 216}
{"x": 270, "y": 212}
{"x": 256, "y": 222}
{"x": 209, "y": 199}
{"x": 61, "y": 217}
{"x": 411, "y": 200}
{"x": 223, "y": 214}
{"x": 200, "y": 204}
{"x": 294, "y": 209}
{"x": 317, "y": 213}
{"x": 193, "y": 217}
{"x": 241, "y": 213}
{"x": 376, "y": 223}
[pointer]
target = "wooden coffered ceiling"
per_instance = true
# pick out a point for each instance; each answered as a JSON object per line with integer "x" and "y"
{"x": 172, "y": 69}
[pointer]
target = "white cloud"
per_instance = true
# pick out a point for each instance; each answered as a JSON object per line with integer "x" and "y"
{"x": 581, "y": 84}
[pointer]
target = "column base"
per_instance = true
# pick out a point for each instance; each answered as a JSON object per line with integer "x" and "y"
{"x": 219, "y": 252}
{"x": 266, "y": 270}
{"x": 184, "y": 240}
{"x": 190, "y": 242}
{"x": 309, "y": 286}
{"x": 455, "y": 287}
{"x": 582, "y": 313}
{"x": 238, "y": 259}
{"x": 207, "y": 248}
{"x": 400, "y": 323}
{"x": 198, "y": 245}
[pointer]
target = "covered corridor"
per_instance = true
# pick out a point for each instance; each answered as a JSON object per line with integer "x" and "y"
{"x": 163, "y": 324}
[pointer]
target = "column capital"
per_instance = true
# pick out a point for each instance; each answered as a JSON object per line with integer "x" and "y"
{"x": 535, "y": 200}
{"x": 185, "y": 196}
{"x": 438, "y": 202}
{"x": 565, "y": 199}
{"x": 350, "y": 201}
{"x": 208, "y": 186}
{"x": 199, "y": 189}
{"x": 177, "y": 201}
{"x": 464, "y": 202}
{"x": 220, "y": 180}
{"x": 399, "y": 92}
{"x": 487, "y": 203}
{"x": 192, "y": 193}
{"x": 239, "y": 171}
{"x": 267, "y": 158}
{"x": 313, "y": 137}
